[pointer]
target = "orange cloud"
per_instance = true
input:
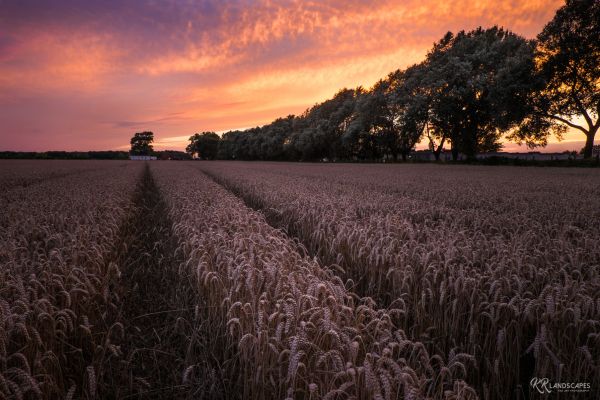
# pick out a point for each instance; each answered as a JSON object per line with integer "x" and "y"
{"x": 93, "y": 74}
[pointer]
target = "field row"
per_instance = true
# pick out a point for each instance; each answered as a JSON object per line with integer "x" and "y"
{"x": 502, "y": 267}
{"x": 23, "y": 173}
{"x": 239, "y": 280}
{"x": 298, "y": 332}
{"x": 162, "y": 283}
{"x": 57, "y": 308}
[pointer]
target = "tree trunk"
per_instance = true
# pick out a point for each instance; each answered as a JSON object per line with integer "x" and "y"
{"x": 454, "y": 153}
{"x": 437, "y": 151}
{"x": 589, "y": 143}
{"x": 470, "y": 143}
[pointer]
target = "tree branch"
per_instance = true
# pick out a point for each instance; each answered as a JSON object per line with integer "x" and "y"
{"x": 576, "y": 99}
{"x": 582, "y": 110}
{"x": 566, "y": 122}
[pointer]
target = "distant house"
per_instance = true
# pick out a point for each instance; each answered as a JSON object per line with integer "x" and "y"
{"x": 141, "y": 158}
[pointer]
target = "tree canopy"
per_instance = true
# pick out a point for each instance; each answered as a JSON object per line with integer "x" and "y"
{"x": 477, "y": 85}
{"x": 205, "y": 145}
{"x": 141, "y": 143}
{"x": 567, "y": 61}
{"x": 473, "y": 90}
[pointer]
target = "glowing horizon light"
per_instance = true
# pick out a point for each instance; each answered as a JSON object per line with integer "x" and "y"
{"x": 83, "y": 76}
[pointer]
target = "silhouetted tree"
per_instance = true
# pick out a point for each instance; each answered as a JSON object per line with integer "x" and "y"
{"x": 260, "y": 143}
{"x": 272, "y": 138}
{"x": 478, "y": 83}
{"x": 141, "y": 143}
{"x": 318, "y": 133}
{"x": 390, "y": 118}
{"x": 568, "y": 56}
{"x": 172, "y": 155}
{"x": 228, "y": 146}
{"x": 205, "y": 145}
{"x": 369, "y": 128}
{"x": 473, "y": 89}
{"x": 407, "y": 109}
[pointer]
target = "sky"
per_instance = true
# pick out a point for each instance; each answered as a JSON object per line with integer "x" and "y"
{"x": 87, "y": 75}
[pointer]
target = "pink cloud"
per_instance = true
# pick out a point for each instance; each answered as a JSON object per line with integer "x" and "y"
{"x": 86, "y": 75}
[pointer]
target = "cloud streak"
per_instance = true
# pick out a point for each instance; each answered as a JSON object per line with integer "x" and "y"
{"x": 67, "y": 67}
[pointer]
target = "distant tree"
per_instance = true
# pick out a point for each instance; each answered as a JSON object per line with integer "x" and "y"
{"x": 172, "y": 155}
{"x": 205, "y": 145}
{"x": 567, "y": 60}
{"x": 141, "y": 143}
{"x": 227, "y": 146}
{"x": 230, "y": 146}
{"x": 386, "y": 120}
{"x": 390, "y": 118}
{"x": 276, "y": 137}
{"x": 369, "y": 130}
{"x": 319, "y": 133}
{"x": 478, "y": 84}
{"x": 407, "y": 109}
{"x": 262, "y": 143}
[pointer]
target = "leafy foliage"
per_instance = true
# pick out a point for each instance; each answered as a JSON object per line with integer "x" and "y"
{"x": 477, "y": 83}
{"x": 567, "y": 57}
{"x": 473, "y": 90}
{"x": 141, "y": 143}
{"x": 205, "y": 145}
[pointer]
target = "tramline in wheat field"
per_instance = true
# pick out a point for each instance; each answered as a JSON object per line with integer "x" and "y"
{"x": 242, "y": 280}
{"x": 299, "y": 200}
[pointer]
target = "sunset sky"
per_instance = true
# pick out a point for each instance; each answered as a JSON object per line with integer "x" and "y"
{"x": 86, "y": 75}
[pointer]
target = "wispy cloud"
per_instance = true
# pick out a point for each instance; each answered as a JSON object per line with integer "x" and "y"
{"x": 151, "y": 122}
{"x": 88, "y": 74}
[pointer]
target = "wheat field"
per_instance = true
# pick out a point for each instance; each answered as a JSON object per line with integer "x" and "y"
{"x": 232, "y": 280}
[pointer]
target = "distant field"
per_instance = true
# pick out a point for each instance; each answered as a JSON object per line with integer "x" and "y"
{"x": 253, "y": 280}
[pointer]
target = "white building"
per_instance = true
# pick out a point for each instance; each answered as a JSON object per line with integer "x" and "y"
{"x": 141, "y": 158}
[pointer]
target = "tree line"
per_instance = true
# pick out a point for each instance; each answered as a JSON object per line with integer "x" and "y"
{"x": 65, "y": 155}
{"x": 89, "y": 155}
{"x": 472, "y": 90}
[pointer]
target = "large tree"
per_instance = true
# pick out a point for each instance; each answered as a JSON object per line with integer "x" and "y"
{"x": 273, "y": 138}
{"x": 567, "y": 59}
{"x": 389, "y": 119}
{"x": 407, "y": 106}
{"x": 323, "y": 125}
{"x": 205, "y": 145}
{"x": 368, "y": 130}
{"x": 478, "y": 84}
{"x": 141, "y": 143}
